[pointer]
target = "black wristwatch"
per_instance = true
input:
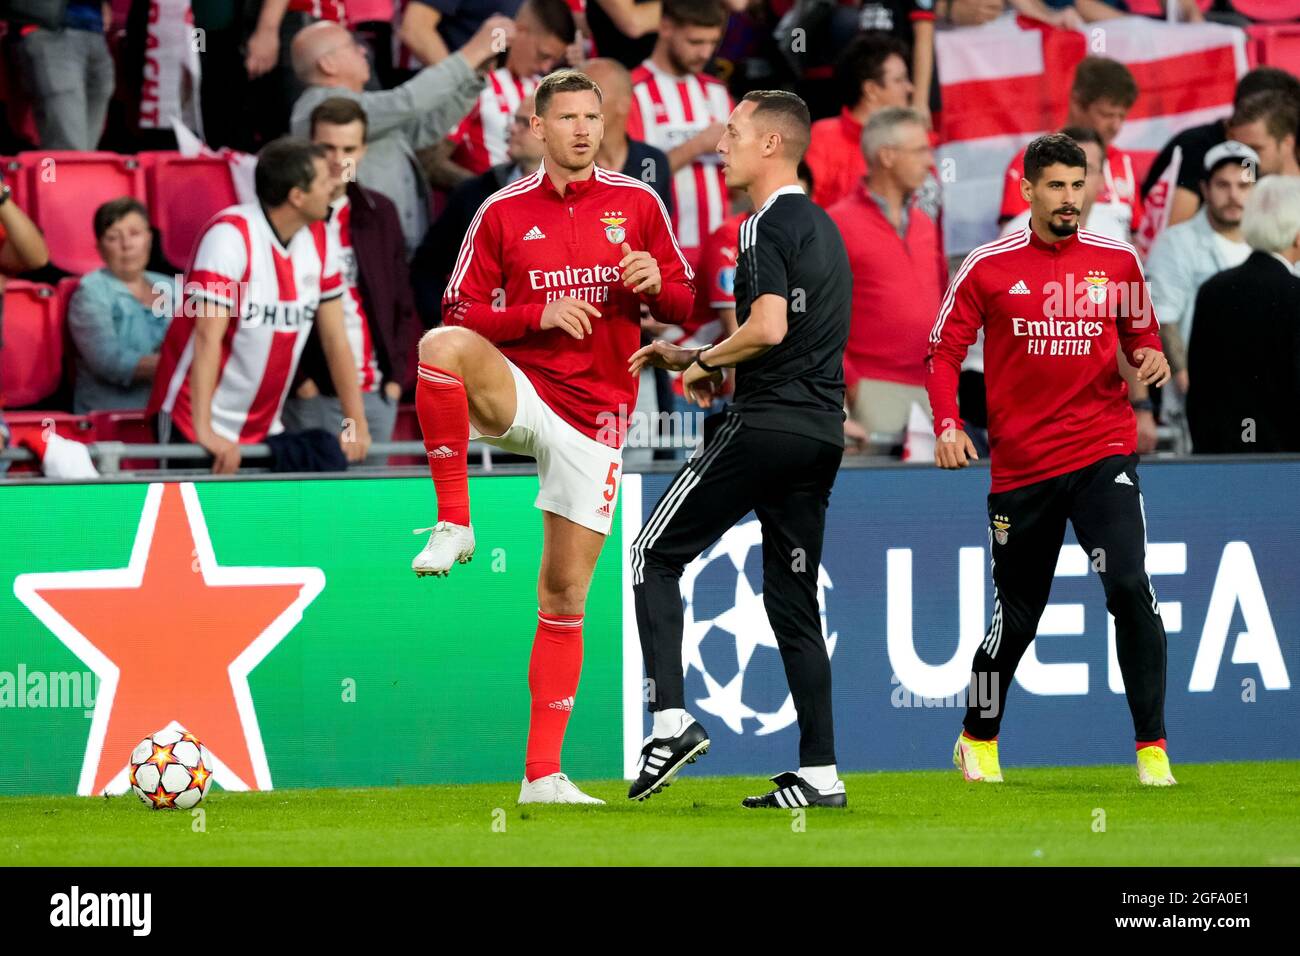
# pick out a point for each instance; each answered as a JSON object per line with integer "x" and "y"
{"x": 5, "y": 192}
{"x": 704, "y": 365}
{"x": 1143, "y": 405}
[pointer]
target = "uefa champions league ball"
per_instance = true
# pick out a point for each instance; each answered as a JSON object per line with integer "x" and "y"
{"x": 171, "y": 770}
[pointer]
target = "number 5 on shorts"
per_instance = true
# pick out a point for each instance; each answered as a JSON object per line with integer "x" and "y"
{"x": 611, "y": 481}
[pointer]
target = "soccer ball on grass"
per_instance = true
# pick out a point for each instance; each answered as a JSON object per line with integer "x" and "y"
{"x": 171, "y": 770}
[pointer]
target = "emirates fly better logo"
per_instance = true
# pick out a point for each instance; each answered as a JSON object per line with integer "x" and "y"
{"x": 1078, "y": 312}
{"x": 172, "y": 637}
{"x": 589, "y": 283}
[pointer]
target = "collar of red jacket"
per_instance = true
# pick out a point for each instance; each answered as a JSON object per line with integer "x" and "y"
{"x": 571, "y": 189}
{"x": 1063, "y": 244}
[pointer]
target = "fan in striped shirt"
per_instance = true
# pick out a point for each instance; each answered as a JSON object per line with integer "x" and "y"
{"x": 543, "y": 30}
{"x": 682, "y": 110}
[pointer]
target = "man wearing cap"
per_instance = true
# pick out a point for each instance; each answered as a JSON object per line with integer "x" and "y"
{"x": 1244, "y": 354}
{"x": 1187, "y": 254}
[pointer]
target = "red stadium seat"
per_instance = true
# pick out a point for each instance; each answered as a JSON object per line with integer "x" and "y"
{"x": 62, "y": 296}
{"x": 123, "y": 424}
{"x": 1269, "y": 11}
{"x": 63, "y": 191}
{"x": 73, "y": 427}
{"x": 31, "y": 359}
{"x": 130, "y": 425}
{"x": 184, "y": 193}
{"x": 13, "y": 174}
{"x": 1277, "y": 46}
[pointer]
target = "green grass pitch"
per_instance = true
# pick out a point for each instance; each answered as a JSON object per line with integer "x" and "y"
{"x": 1219, "y": 814}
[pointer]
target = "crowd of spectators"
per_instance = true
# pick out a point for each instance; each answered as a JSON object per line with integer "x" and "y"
{"x": 402, "y": 116}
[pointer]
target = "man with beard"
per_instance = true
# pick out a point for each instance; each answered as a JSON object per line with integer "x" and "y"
{"x": 1187, "y": 254}
{"x": 1055, "y": 303}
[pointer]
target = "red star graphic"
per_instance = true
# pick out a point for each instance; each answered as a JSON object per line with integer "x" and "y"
{"x": 200, "y": 775}
{"x": 161, "y": 798}
{"x": 161, "y": 756}
{"x": 181, "y": 640}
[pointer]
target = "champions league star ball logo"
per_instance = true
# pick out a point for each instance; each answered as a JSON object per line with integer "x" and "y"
{"x": 727, "y": 639}
{"x": 614, "y": 230}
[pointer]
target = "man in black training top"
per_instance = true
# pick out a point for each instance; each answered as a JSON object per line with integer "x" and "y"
{"x": 775, "y": 451}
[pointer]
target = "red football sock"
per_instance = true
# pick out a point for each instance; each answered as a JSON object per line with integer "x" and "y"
{"x": 553, "y": 673}
{"x": 443, "y": 411}
{"x": 1153, "y": 743}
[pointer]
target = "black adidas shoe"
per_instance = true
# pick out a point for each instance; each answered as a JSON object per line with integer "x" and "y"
{"x": 793, "y": 792}
{"x": 663, "y": 757}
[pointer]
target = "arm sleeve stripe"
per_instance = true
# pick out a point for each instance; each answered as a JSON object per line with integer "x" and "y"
{"x": 1014, "y": 241}
{"x": 467, "y": 245}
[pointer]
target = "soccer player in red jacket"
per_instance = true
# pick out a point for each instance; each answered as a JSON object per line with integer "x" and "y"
{"x": 541, "y": 312}
{"x": 1055, "y": 302}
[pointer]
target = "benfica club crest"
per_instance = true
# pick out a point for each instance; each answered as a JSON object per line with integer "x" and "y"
{"x": 1001, "y": 527}
{"x": 1096, "y": 287}
{"x": 614, "y": 230}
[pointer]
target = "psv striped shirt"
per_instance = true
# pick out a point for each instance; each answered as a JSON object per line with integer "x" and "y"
{"x": 273, "y": 292}
{"x": 670, "y": 110}
{"x": 482, "y": 136}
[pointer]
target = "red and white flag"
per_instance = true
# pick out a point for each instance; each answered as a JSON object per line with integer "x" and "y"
{"x": 1008, "y": 81}
{"x": 171, "y": 67}
{"x": 1159, "y": 203}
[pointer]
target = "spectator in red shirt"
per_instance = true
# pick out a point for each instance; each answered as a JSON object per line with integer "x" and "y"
{"x": 1101, "y": 95}
{"x": 872, "y": 75}
{"x": 899, "y": 273}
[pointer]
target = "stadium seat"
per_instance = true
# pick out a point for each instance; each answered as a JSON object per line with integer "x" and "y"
{"x": 123, "y": 424}
{"x": 31, "y": 359}
{"x": 63, "y": 191}
{"x": 13, "y": 174}
{"x": 1277, "y": 46}
{"x": 75, "y": 427}
{"x": 1269, "y": 11}
{"x": 184, "y": 193}
{"x": 130, "y": 425}
{"x": 62, "y": 297}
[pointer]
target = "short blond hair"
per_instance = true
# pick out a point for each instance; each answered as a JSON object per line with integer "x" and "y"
{"x": 562, "y": 81}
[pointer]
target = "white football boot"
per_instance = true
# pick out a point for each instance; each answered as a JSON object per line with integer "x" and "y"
{"x": 448, "y": 544}
{"x": 553, "y": 788}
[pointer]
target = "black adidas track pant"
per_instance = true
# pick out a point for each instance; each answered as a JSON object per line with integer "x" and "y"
{"x": 786, "y": 480}
{"x": 1026, "y": 529}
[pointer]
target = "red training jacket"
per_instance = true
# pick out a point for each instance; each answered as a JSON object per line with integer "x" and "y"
{"x": 529, "y": 245}
{"x": 1053, "y": 315}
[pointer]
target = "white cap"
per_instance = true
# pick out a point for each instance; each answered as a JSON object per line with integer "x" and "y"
{"x": 1230, "y": 150}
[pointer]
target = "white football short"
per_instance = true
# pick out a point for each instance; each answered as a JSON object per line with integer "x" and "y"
{"x": 579, "y": 477}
